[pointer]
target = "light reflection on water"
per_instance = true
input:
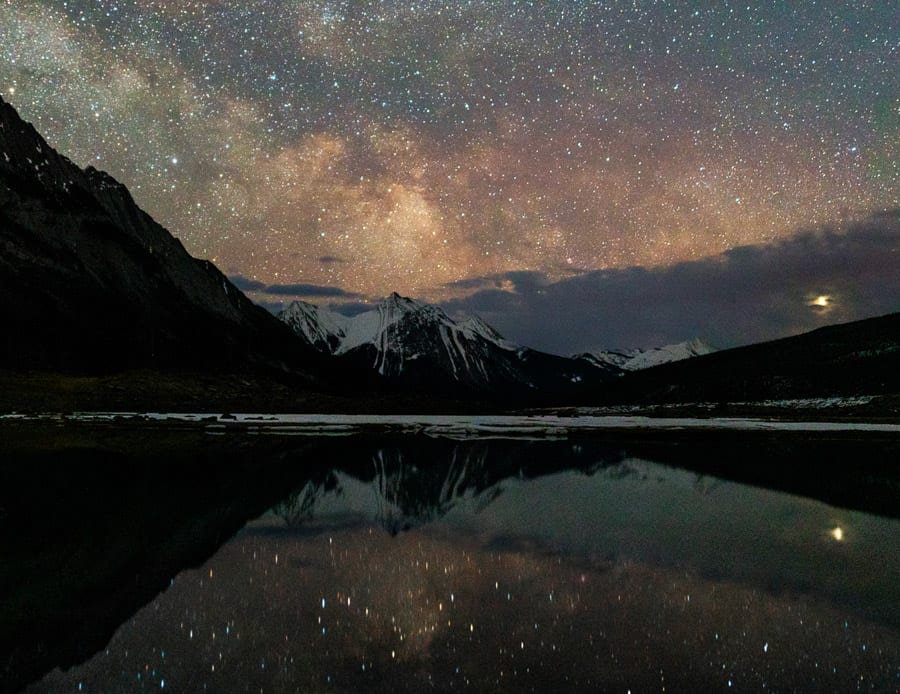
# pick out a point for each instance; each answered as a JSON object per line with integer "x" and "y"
{"x": 629, "y": 576}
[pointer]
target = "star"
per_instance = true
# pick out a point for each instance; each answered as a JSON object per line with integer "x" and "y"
{"x": 450, "y": 141}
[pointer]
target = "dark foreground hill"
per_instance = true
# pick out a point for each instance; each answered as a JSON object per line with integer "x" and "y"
{"x": 858, "y": 358}
{"x": 90, "y": 283}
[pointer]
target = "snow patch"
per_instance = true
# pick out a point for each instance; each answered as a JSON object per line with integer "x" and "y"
{"x": 453, "y": 426}
{"x": 636, "y": 359}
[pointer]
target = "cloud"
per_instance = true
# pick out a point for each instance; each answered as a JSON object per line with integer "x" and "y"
{"x": 307, "y": 290}
{"x": 245, "y": 284}
{"x": 522, "y": 280}
{"x": 747, "y": 294}
{"x": 348, "y": 308}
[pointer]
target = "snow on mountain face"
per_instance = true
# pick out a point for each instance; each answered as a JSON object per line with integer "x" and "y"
{"x": 399, "y": 330}
{"x": 474, "y": 326}
{"x": 419, "y": 345}
{"x": 636, "y": 359}
{"x": 601, "y": 359}
{"x": 669, "y": 353}
{"x": 325, "y": 330}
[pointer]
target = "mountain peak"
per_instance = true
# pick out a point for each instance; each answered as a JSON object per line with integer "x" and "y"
{"x": 406, "y": 341}
{"x": 91, "y": 283}
{"x": 322, "y": 328}
{"x": 396, "y": 302}
{"x": 23, "y": 150}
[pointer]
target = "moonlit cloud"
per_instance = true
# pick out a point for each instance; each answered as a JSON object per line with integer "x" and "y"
{"x": 822, "y": 304}
{"x": 747, "y": 294}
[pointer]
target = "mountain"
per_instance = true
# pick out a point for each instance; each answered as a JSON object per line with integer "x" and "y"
{"x": 858, "y": 358}
{"x": 91, "y": 283}
{"x": 411, "y": 344}
{"x": 408, "y": 484}
{"x": 636, "y": 359}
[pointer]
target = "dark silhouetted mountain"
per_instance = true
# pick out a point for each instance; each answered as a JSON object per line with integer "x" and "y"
{"x": 89, "y": 282}
{"x": 858, "y": 358}
{"x": 413, "y": 345}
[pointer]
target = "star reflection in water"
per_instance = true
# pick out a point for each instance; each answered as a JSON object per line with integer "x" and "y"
{"x": 637, "y": 577}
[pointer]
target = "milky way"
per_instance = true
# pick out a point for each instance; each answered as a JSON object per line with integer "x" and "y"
{"x": 379, "y": 146}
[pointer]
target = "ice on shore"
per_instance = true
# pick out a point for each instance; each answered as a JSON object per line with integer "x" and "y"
{"x": 454, "y": 426}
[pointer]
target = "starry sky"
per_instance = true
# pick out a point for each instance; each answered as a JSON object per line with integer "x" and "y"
{"x": 487, "y": 154}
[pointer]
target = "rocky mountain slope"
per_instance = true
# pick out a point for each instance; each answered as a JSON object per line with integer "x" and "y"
{"x": 411, "y": 344}
{"x": 90, "y": 282}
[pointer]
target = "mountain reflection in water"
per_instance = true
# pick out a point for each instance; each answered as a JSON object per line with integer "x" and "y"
{"x": 521, "y": 566}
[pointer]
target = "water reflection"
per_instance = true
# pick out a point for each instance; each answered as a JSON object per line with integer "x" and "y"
{"x": 522, "y": 567}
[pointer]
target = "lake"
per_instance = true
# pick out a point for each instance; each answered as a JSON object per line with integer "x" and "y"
{"x": 145, "y": 560}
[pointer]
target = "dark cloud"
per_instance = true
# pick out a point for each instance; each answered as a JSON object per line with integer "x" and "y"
{"x": 293, "y": 290}
{"x": 307, "y": 290}
{"x": 474, "y": 283}
{"x": 744, "y": 295}
{"x": 245, "y": 284}
{"x": 350, "y": 308}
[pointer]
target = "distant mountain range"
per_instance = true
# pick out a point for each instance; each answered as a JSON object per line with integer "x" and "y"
{"x": 858, "y": 358}
{"x": 637, "y": 359}
{"x": 410, "y": 344}
{"x": 91, "y": 284}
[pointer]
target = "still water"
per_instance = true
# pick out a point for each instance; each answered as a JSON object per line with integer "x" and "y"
{"x": 489, "y": 566}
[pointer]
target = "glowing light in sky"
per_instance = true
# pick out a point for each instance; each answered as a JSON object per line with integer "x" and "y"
{"x": 820, "y": 303}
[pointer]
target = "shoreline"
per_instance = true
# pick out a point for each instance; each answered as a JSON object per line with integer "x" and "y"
{"x": 532, "y": 425}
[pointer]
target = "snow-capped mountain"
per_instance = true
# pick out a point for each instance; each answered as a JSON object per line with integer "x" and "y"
{"x": 406, "y": 486}
{"x": 323, "y": 329}
{"x": 637, "y": 359}
{"x": 412, "y": 343}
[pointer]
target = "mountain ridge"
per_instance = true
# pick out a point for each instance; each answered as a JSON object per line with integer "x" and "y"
{"x": 89, "y": 282}
{"x": 413, "y": 344}
{"x": 637, "y": 359}
{"x": 846, "y": 359}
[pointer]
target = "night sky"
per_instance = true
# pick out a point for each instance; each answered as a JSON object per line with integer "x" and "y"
{"x": 660, "y": 170}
